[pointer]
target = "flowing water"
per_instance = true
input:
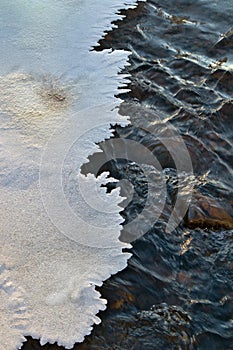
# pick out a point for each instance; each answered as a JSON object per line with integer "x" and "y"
{"x": 177, "y": 291}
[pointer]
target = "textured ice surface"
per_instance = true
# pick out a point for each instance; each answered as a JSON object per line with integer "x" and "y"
{"x": 59, "y": 229}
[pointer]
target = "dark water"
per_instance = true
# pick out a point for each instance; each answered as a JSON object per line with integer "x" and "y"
{"x": 177, "y": 292}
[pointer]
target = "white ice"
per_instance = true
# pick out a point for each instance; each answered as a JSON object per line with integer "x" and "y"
{"x": 58, "y": 240}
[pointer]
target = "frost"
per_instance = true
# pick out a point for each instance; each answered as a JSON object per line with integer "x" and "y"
{"x": 59, "y": 228}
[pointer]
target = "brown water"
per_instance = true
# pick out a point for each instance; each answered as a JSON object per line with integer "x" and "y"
{"x": 177, "y": 292}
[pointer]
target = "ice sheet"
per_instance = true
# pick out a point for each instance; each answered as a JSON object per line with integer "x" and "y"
{"x": 57, "y": 100}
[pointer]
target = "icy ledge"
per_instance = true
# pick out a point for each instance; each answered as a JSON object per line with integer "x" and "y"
{"x": 58, "y": 240}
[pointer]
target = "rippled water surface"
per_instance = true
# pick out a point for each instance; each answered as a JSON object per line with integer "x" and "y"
{"x": 177, "y": 292}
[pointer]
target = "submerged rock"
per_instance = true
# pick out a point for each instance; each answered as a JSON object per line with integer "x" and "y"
{"x": 207, "y": 212}
{"x": 170, "y": 320}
